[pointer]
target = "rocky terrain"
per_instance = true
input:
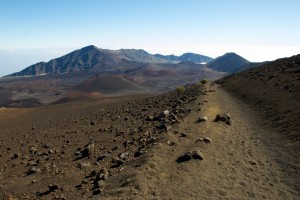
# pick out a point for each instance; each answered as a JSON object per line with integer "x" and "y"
{"x": 194, "y": 143}
{"x": 78, "y": 151}
{"x": 235, "y": 138}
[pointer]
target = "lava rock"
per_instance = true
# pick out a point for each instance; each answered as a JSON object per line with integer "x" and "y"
{"x": 224, "y": 118}
{"x": 197, "y": 155}
{"x": 202, "y": 119}
{"x": 186, "y": 157}
{"x": 207, "y": 140}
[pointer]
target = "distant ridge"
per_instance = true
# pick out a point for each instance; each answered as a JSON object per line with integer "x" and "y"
{"x": 192, "y": 57}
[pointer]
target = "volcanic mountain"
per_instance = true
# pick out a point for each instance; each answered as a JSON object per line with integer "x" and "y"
{"x": 229, "y": 62}
{"x": 93, "y": 59}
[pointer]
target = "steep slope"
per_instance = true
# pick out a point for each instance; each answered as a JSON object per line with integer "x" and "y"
{"x": 229, "y": 62}
{"x": 83, "y": 59}
{"x": 274, "y": 90}
{"x": 192, "y": 57}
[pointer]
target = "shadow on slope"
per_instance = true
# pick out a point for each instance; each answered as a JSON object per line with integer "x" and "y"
{"x": 273, "y": 89}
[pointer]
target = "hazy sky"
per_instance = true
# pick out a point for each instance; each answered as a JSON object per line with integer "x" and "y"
{"x": 36, "y": 30}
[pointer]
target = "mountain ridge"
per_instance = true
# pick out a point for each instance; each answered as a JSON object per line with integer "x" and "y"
{"x": 92, "y": 58}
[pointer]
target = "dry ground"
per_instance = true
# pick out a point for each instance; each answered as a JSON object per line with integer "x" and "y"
{"x": 245, "y": 160}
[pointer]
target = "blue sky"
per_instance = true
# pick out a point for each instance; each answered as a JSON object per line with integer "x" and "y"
{"x": 35, "y": 30}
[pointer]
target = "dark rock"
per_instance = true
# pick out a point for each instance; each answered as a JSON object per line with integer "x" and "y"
{"x": 103, "y": 174}
{"x": 33, "y": 170}
{"x": 202, "y": 119}
{"x": 88, "y": 150}
{"x": 186, "y": 157}
{"x": 207, "y": 140}
{"x": 183, "y": 134}
{"x": 224, "y": 118}
{"x": 164, "y": 127}
{"x": 149, "y": 118}
{"x": 53, "y": 188}
{"x": 117, "y": 162}
{"x": 96, "y": 192}
{"x": 163, "y": 114}
{"x": 140, "y": 152}
{"x": 197, "y": 155}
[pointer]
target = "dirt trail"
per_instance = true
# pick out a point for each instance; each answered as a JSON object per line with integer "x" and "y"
{"x": 241, "y": 162}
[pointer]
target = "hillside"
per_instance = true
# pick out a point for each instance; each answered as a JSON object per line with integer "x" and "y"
{"x": 109, "y": 84}
{"x": 229, "y": 62}
{"x": 274, "y": 90}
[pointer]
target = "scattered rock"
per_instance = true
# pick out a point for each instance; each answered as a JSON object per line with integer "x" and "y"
{"x": 163, "y": 114}
{"x": 164, "y": 127}
{"x": 103, "y": 175}
{"x": 252, "y": 162}
{"x": 53, "y": 188}
{"x": 124, "y": 155}
{"x": 197, "y": 155}
{"x": 207, "y": 140}
{"x": 183, "y": 134}
{"x": 117, "y": 162}
{"x": 33, "y": 170}
{"x": 186, "y": 157}
{"x": 149, "y": 118}
{"x": 224, "y": 118}
{"x": 202, "y": 119}
{"x": 101, "y": 183}
{"x": 84, "y": 165}
{"x": 140, "y": 152}
{"x": 199, "y": 140}
{"x": 87, "y": 151}
{"x": 96, "y": 192}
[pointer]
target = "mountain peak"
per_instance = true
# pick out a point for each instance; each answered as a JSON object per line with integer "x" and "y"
{"x": 89, "y": 48}
{"x": 229, "y": 62}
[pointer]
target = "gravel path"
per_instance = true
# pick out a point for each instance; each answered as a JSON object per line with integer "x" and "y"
{"x": 243, "y": 160}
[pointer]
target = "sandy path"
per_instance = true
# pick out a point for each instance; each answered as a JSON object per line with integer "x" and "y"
{"x": 240, "y": 163}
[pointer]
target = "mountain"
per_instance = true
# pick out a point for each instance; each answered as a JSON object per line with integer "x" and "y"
{"x": 94, "y": 59}
{"x": 91, "y": 58}
{"x": 229, "y": 62}
{"x": 192, "y": 57}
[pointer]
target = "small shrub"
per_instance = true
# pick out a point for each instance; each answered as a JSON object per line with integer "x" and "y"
{"x": 180, "y": 89}
{"x": 203, "y": 81}
{"x": 198, "y": 84}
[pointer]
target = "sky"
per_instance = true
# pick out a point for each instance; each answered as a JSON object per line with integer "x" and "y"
{"x": 33, "y": 30}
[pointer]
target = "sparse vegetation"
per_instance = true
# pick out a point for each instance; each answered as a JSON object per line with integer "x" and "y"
{"x": 203, "y": 81}
{"x": 180, "y": 89}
